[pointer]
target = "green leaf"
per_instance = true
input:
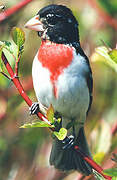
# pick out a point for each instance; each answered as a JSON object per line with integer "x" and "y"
{"x": 10, "y": 50}
{"x": 59, "y": 120}
{"x": 98, "y": 157}
{"x": 50, "y": 114}
{"x": 61, "y": 134}
{"x": 10, "y": 57}
{"x": 113, "y": 55}
{"x": 114, "y": 178}
{"x": 18, "y": 37}
{"x": 37, "y": 124}
{"x": 111, "y": 172}
{"x": 102, "y": 54}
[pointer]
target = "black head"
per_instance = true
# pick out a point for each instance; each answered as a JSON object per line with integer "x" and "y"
{"x": 58, "y": 24}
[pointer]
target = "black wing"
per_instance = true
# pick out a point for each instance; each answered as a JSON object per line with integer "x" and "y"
{"x": 90, "y": 86}
{"x": 89, "y": 77}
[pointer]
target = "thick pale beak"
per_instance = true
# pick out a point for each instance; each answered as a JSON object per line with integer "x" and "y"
{"x": 34, "y": 24}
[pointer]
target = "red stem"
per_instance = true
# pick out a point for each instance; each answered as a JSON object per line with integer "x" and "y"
{"x": 93, "y": 164}
{"x": 16, "y": 81}
{"x": 114, "y": 129}
{"x": 43, "y": 118}
{"x": 19, "y": 86}
{"x": 17, "y": 65}
{"x": 8, "y": 12}
{"x": 104, "y": 15}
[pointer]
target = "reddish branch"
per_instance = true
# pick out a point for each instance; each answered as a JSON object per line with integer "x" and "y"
{"x": 2, "y": 115}
{"x": 19, "y": 87}
{"x": 111, "y": 161}
{"x": 114, "y": 129}
{"x": 104, "y": 15}
{"x": 92, "y": 163}
{"x": 8, "y": 12}
{"x": 17, "y": 66}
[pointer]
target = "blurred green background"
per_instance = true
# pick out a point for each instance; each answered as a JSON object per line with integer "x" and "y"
{"x": 24, "y": 153}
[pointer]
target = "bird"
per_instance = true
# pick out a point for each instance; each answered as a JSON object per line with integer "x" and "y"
{"x": 62, "y": 77}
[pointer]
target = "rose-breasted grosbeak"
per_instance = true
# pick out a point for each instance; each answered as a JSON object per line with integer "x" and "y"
{"x": 62, "y": 77}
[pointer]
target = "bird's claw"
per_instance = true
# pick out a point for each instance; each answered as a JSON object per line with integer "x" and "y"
{"x": 34, "y": 109}
{"x": 68, "y": 142}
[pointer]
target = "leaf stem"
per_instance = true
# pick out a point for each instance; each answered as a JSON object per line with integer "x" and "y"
{"x": 4, "y": 74}
{"x": 15, "y": 80}
{"x": 17, "y": 66}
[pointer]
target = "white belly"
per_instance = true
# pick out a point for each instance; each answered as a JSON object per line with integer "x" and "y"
{"x": 73, "y": 93}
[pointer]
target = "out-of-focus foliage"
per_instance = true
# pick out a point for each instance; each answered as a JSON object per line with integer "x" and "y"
{"x": 106, "y": 55}
{"x": 24, "y": 153}
{"x": 109, "y": 6}
{"x": 111, "y": 172}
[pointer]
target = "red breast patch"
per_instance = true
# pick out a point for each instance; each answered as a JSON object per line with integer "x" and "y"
{"x": 55, "y": 57}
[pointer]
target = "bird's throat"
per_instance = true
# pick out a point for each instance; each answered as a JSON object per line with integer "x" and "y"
{"x": 56, "y": 58}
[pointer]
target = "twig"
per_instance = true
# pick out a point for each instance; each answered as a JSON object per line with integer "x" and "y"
{"x": 4, "y": 74}
{"x": 92, "y": 163}
{"x": 17, "y": 66}
{"x": 110, "y": 162}
{"x": 19, "y": 87}
{"x": 114, "y": 129}
{"x": 8, "y": 12}
{"x": 110, "y": 20}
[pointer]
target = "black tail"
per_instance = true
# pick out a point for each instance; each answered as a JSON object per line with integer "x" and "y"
{"x": 68, "y": 159}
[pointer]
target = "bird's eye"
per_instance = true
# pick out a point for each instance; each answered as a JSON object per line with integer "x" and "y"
{"x": 52, "y": 19}
{"x": 49, "y": 15}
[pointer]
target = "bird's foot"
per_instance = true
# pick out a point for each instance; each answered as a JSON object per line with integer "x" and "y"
{"x": 34, "y": 109}
{"x": 68, "y": 142}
